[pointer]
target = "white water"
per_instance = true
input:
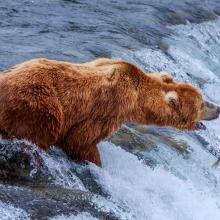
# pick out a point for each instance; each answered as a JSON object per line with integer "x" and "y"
{"x": 61, "y": 168}
{"x": 152, "y": 194}
{"x": 9, "y": 212}
{"x": 81, "y": 216}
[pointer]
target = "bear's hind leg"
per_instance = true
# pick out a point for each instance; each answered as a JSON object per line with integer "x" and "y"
{"x": 35, "y": 114}
{"x": 41, "y": 128}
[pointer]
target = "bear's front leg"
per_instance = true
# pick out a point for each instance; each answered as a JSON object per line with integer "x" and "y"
{"x": 80, "y": 143}
{"x": 80, "y": 152}
{"x": 91, "y": 155}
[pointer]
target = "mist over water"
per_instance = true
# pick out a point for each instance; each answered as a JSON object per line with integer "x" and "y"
{"x": 167, "y": 174}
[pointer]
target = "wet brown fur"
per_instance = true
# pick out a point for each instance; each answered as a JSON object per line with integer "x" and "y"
{"x": 76, "y": 106}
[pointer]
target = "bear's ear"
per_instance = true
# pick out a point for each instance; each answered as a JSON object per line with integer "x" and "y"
{"x": 171, "y": 98}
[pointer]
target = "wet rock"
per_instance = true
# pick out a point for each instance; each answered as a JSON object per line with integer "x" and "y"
{"x": 131, "y": 141}
{"x": 89, "y": 180}
{"x": 20, "y": 160}
{"x": 164, "y": 136}
{"x": 42, "y": 202}
{"x": 134, "y": 138}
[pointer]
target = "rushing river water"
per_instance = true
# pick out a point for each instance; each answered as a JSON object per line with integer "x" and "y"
{"x": 148, "y": 173}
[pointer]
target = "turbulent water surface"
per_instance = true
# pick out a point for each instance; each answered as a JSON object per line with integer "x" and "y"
{"x": 148, "y": 173}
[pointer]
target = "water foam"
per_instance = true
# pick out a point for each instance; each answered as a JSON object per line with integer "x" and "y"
{"x": 9, "y": 212}
{"x": 151, "y": 194}
{"x": 62, "y": 169}
{"x": 81, "y": 216}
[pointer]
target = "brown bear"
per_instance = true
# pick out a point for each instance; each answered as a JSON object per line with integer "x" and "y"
{"x": 75, "y": 106}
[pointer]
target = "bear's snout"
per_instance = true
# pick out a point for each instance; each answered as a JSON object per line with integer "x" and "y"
{"x": 209, "y": 111}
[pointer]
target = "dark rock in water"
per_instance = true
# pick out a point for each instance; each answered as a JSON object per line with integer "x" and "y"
{"x": 89, "y": 181}
{"x": 44, "y": 202}
{"x": 130, "y": 141}
{"x": 26, "y": 182}
{"x": 20, "y": 160}
{"x": 136, "y": 138}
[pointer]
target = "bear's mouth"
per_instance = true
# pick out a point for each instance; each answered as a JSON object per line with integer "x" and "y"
{"x": 200, "y": 126}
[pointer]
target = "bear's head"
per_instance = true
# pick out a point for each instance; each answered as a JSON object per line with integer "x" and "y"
{"x": 177, "y": 105}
